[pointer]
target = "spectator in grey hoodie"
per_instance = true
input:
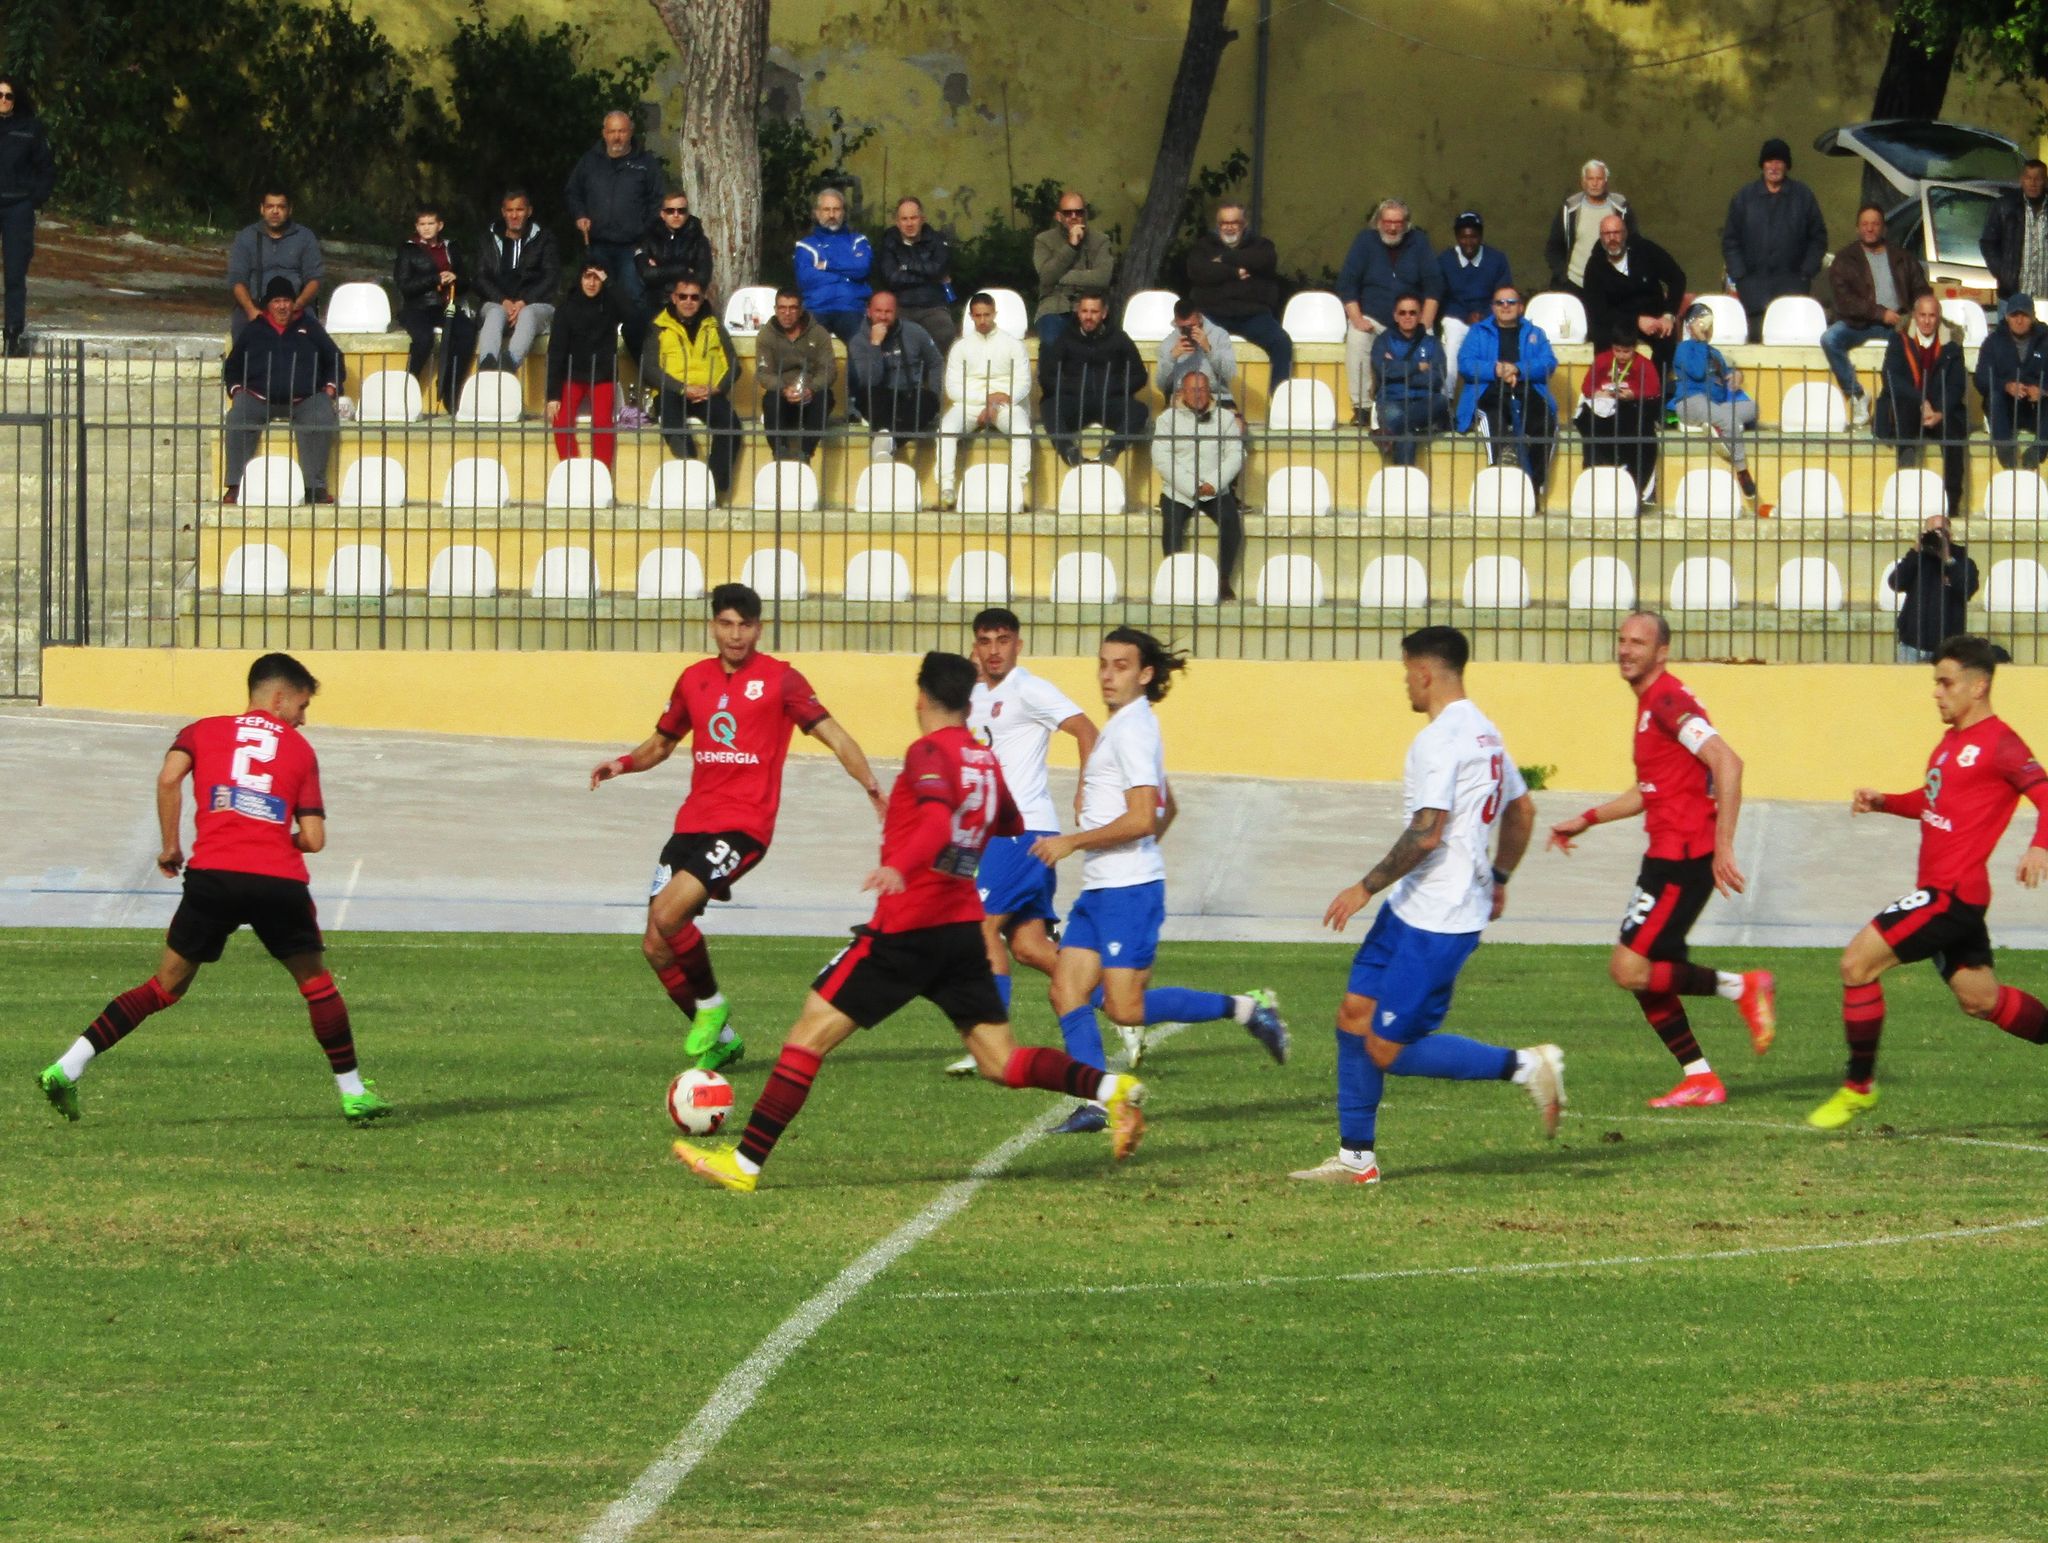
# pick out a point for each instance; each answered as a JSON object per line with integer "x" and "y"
{"x": 893, "y": 374}
{"x": 1198, "y": 451}
{"x": 276, "y": 245}
{"x": 1195, "y": 343}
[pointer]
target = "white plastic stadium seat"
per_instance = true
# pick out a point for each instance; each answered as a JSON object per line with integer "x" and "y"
{"x": 749, "y": 308}
{"x": 2016, "y": 495}
{"x": 1398, "y": 492}
{"x": 1393, "y": 584}
{"x": 1292, "y": 579}
{"x": 1600, "y": 583}
{"x": 1912, "y": 494}
{"x": 1793, "y": 321}
{"x": 257, "y": 568}
{"x": 355, "y": 570}
{"x": 1702, "y": 584}
{"x": 1496, "y": 583}
{"x": 1298, "y": 490}
{"x": 373, "y": 482}
{"x": 787, "y": 485}
{"x": 1084, "y": 578}
{"x": 1092, "y": 488}
{"x": 1012, "y": 315}
{"x": 1889, "y": 599}
{"x": 1302, "y": 405}
{"x": 1814, "y": 407}
{"x": 491, "y": 396}
{"x": 462, "y": 572}
{"x": 1969, "y": 316}
{"x": 1810, "y": 584}
{"x": 581, "y": 483}
{"x": 2016, "y": 584}
{"x": 680, "y": 487}
{"x": 986, "y": 488}
{"x": 1707, "y": 493}
{"x": 1731, "y": 321}
{"x": 1562, "y": 317}
{"x": 878, "y": 574}
{"x": 1811, "y": 494}
{"x": 359, "y": 308}
{"x": 776, "y": 573}
{"x": 389, "y": 396}
{"x": 272, "y": 482}
{"x": 1314, "y": 316}
{"x": 887, "y": 487}
{"x": 1604, "y": 492}
{"x": 670, "y": 573}
{"x": 978, "y": 578}
{"x": 1148, "y": 315}
{"x": 1504, "y": 491}
{"x": 565, "y": 573}
{"x": 476, "y": 482}
{"x": 1186, "y": 578}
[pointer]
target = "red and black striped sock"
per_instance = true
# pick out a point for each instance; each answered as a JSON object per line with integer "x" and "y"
{"x": 1863, "y": 1025}
{"x": 117, "y": 1020}
{"x": 2020, "y": 1015}
{"x": 1035, "y": 1066}
{"x": 693, "y": 957}
{"x": 1667, "y": 1016}
{"x": 677, "y": 984}
{"x": 788, "y": 1086}
{"x": 1672, "y": 978}
{"x": 330, "y": 1021}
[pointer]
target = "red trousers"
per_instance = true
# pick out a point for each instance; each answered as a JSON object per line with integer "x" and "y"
{"x": 573, "y": 394}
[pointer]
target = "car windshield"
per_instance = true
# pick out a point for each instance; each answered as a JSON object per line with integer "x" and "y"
{"x": 1943, "y": 151}
{"x": 1958, "y": 215}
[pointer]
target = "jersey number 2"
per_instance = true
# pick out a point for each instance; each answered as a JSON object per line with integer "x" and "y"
{"x": 253, "y": 744}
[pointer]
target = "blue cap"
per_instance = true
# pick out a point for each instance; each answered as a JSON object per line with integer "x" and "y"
{"x": 2017, "y": 305}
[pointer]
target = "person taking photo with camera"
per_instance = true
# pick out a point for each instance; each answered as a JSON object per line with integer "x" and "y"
{"x": 1936, "y": 577}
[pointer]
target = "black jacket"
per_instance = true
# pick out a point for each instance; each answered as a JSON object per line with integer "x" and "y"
{"x": 1213, "y": 284}
{"x": 2003, "y": 244}
{"x": 1944, "y": 385}
{"x": 1089, "y": 370}
{"x": 417, "y": 280}
{"x": 1653, "y": 286}
{"x": 2004, "y": 357}
{"x": 529, "y": 268}
{"x": 583, "y": 340}
{"x": 286, "y": 366}
{"x": 1772, "y": 243}
{"x": 618, "y": 195}
{"x": 916, "y": 270}
{"x": 1936, "y": 593}
{"x": 27, "y": 169}
{"x": 664, "y": 256}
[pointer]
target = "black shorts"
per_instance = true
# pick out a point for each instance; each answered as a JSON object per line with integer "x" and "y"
{"x": 278, "y": 911}
{"x": 1933, "y": 924}
{"x": 880, "y": 972}
{"x": 1670, "y": 894}
{"x": 715, "y": 859}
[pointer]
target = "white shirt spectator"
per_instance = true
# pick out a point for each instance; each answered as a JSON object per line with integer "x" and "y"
{"x": 980, "y": 366}
{"x": 1129, "y": 754}
{"x": 1017, "y": 720}
{"x": 1459, "y": 764}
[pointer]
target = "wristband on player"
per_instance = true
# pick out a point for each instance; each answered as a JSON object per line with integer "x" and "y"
{"x": 1500, "y": 877}
{"x": 1592, "y": 815}
{"x": 623, "y": 764}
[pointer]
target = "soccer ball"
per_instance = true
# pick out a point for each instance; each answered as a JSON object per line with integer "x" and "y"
{"x": 699, "y": 1102}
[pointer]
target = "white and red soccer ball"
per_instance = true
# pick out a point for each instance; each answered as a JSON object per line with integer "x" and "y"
{"x": 699, "y": 1102}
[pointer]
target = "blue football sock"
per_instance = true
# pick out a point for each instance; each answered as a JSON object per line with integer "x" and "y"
{"x": 1359, "y": 1085}
{"x": 1083, "y": 1037}
{"x": 1003, "y": 990}
{"x": 1096, "y": 998}
{"x": 1183, "y": 1004}
{"x": 1455, "y": 1059}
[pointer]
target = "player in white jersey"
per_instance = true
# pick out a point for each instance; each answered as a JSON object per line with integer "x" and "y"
{"x": 1442, "y": 888}
{"x": 1112, "y": 933}
{"x": 1015, "y": 713}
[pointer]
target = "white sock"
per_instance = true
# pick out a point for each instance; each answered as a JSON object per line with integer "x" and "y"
{"x": 1241, "y": 1008}
{"x": 744, "y": 1163}
{"x": 716, "y": 999}
{"x": 726, "y": 1035}
{"x": 74, "y": 1061}
{"x": 350, "y": 1083}
{"x": 1525, "y": 1066}
{"x": 1696, "y": 1068}
{"x": 1728, "y": 985}
{"x": 1357, "y": 1159}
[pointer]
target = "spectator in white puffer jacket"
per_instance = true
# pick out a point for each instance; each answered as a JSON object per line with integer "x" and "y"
{"x": 988, "y": 383}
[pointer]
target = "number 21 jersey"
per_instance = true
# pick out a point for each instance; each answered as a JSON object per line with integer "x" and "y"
{"x": 252, "y": 776}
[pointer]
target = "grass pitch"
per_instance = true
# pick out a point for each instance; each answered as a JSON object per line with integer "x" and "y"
{"x": 227, "y": 1314}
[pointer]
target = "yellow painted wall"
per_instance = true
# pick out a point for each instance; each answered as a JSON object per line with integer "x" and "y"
{"x": 1805, "y": 731}
{"x": 970, "y": 95}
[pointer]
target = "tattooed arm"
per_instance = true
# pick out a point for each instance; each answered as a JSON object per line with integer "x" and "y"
{"x": 1425, "y": 833}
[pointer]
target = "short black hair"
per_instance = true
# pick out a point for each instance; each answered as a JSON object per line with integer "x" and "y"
{"x": 2034, "y": 166}
{"x": 269, "y": 190}
{"x": 1663, "y": 626}
{"x": 1979, "y": 654}
{"x": 1446, "y": 645}
{"x": 1092, "y": 294}
{"x": 1876, "y": 209}
{"x": 947, "y": 679}
{"x": 980, "y": 297}
{"x": 790, "y": 292}
{"x": 997, "y": 617}
{"x": 285, "y": 668}
{"x": 1409, "y": 294}
{"x": 429, "y": 206}
{"x": 736, "y": 597}
{"x": 515, "y": 191}
{"x": 1184, "y": 306}
{"x": 1163, "y": 661}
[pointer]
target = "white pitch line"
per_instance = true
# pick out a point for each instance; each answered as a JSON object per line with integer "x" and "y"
{"x": 348, "y": 893}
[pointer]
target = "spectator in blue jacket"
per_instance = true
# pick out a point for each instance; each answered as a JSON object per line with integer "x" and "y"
{"x": 1706, "y": 392}
{"x": 832, "y": 266}
{"x": 2012, "y": 370}
{"x": 1471, "y": 271}
{"x": 1386, "y": 258}
{"x": 1411, "y": 382}
{"x": 1504, "y": 371}
{"x": 283, "y": 366}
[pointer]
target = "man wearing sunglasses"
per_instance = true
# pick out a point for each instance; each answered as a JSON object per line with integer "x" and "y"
{"x": 1504, "y": 370}
{"x": 671, "y": 249}
{"x": 689, "y": 360}
{"x": 1072, "y": 258}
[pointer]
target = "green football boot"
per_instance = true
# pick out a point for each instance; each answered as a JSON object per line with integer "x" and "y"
{"x": 361, "y": 1108}
{"x": 704, "y": 1028}
{"x": 723, "y": 1054}
{"x": 60, "y": 1090}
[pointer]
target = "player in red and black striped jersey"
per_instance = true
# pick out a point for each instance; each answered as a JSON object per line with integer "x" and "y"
{"x": 257, "y": 784}
{"x": 1689, "y": 792}
{"x": 924, "y": 940}
{"x": 1975, "y": 780}
{"x": 739, "y": 709}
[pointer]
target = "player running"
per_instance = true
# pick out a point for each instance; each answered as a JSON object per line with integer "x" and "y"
{"x": 1689, "y": 792}
{"x": 1112, "y": 932}
{"x": 1442, "y": 888}
{"x": 739, "y": 708}
{"x": 1976, "y": 777}
{"x": 925, "y": 940}
{"x": 257, "y": 786}
{"x": 1015, "y": 713}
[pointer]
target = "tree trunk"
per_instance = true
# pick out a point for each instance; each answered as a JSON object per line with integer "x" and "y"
{"x": 1914, "y": 84}
{"x": 721, "y": 44}
{"x": 1200, "y": 54}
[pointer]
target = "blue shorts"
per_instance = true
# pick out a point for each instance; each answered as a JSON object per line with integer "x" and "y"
{"x": 1120, "y": 924}
{"x": 1410, "y": 975}
{"x": 1015, "y": 884}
